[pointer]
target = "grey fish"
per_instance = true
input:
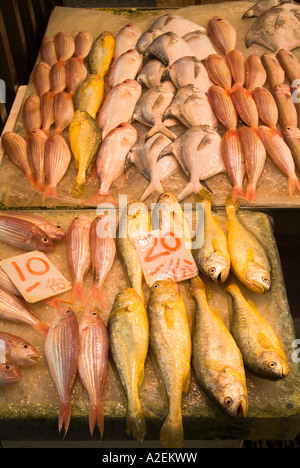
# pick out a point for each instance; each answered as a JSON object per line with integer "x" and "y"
{"x": 151, "y": 73}
{"x": 188, "y": 71}
{"x": 169, "y": 47}
{"x": 176, "y": 24}
{"x": 261, "y": 7}
{"x": 147, "y": 38}
{"x": 201, "y": 44}
{"x": 277, "y": 28}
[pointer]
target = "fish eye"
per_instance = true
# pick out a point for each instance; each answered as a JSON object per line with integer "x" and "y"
{"x": 155, "y": 286}
{"x": 24, "y": 346}
{"x": 68, "y": 311}
{"x": 7, "y": 366}
{"x": 272, "y": 365}
{"x": 265, "y": 279}
{"x": 58, "y": 227}
{"x": 165, "y": 195}
{"x": 45, "y": 240}
{"x": 94, "y": 313}
{"x": 212, "y": 270}
{"x": 120, "y": 293}
{"x": 228, "y": 401}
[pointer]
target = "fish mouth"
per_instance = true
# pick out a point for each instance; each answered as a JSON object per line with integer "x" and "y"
{"x": 242, "y": 408}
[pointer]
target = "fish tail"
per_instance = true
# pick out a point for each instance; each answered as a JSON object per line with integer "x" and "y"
{"x": 152, "y": 187}
{"x": 40, "y": 186}
{"x": 251, "y": 193}
{"x": 96, "y": 415}
{"x": 64, "y": 416}
{"x": 41, "y": 327}
{"x": 293, "y": 185}
{"x": 100, "y": 199}
{"x": 161, "y": 128}
{"x": 191, "y": 187}
{"x": 203, "y": 195}
{"x": 136, "y": 424}
{"x": 50, "y": 192}
{"x": 31, "y": 179}
{"x": 237, "y": 192}
{"x": 96, "y": 293}
{"x": 78, "y": 189}
{"x": 171, "y": 434}
{"x": 78, "y": 291}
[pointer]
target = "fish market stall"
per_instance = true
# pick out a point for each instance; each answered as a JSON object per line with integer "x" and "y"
{"x": 94, "y": 137}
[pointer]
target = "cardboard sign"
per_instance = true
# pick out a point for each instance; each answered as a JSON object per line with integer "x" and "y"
{"x": 162, "y": 255}
{"x": 35, "y": 276}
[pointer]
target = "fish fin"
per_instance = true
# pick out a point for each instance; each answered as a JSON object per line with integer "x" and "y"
{"x": 166, "y": 152}
{"x": 50, "y": 192}
{"x": 293, "y": 185}
{"x": 136, "y": 424}
{"x": 203, "y": 195}
{"x": 191, "y": 187}
{"x": 57, "y": 303}
{"x": 78, "y": 291}
{"x": 238, "y": 192}
{"x": 171, "y": 434}
{"x": 152, "y": 187}
{"x": 251, "y": 194}
{"x": 161, "y": 128}
{"x": 78, "y": 189}
{"x": 100, "y": 198}
{"x": 95, "y": 293}
{"x": 96, "y": 415}
{"x": 42, "y": 328}
{"x": 40, "y": 186}
{"x": 249, "y": 255}
{"x": 64, "y": 416}
{"x": 215, "y": 244}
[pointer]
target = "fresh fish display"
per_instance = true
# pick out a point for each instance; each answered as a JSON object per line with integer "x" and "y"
{"x": 16, "y": 148}
{"x": 275, "y": 73}
{"x": 216, "y": 359}
{"x": 63, "y": 112}
{"x": 176, "y": 24}
{"x": 58, "y": 77}
{"x": 280, "y": 153}
{"x": 126, "y": 66}
{"x": 102, "y": 53}
{"x": 255, "y": 158}
{"x": 201, "y": 44}
{"x": 236, "y": 63}
{"x": 32, "y": 113}
{"x": 103, "y": 252}
{"x": 48, "y": 52}
{"x": 79, "y": 254}
{"x": 277, "y": 28}
{"x": 76, "y": 73}
{"x": 57, "y": 161}
{"x": 169, "y": 48}
{"x": 14, "y": 310}
{"x": 170, "y": 342}
{"x": 41, "y": 78}
{"x": 127, "y": 39}
{"x": 245, "y": 105}
{"x": 255, "y": 73}
{"x": 36, "y": 156}
{"x": 249, "y": 260}
{"x": 128, "y": 329}
{"x": 47, "y": 112}
{"x": 261, "y": 7}
{"x": 219, "y": 71}
{"x": 222, "y": 34}
{"x": 144, "y": 156}
{"x": 234, "y": 161}
{"x": 146, "y": 39}
{"x": 136, "y": 220}
{"x": 151, "y": 107}
{"x": 288, "y": 116}
{"x": 20, "y": 351}
{"x": 54, "y": 231}
{"x": 61, "y": 350}
{"x": 266, "y": 106}
{"x": 223, "y": 107}
{"x": 119, "y": 105}
{"x": 189, "y": 71}
{"x": 9, "y": 372}
{"x": 85, "y": 139}
{"x": 262, "y": 351}
{"x": 213, "y": 258}
{"x": 192, "y": 108}
{"x": 89, "y": 95}
{"x": 7, "y": 284}
{"x": 83, "y": 44}
{"x": 291, "y": 136}
{"x": 64, "y": 46}
{"x": 110, "y": 163}
{"x": 151, "y": 73}
{"x": 24, "y": 235}
{"x": 290, "y": 64}
{"x": 198, "y": 152}
{"x": 92, "y": 364}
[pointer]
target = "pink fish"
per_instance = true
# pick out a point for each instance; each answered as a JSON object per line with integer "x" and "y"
{"x": 41, "y": 78}
{"x": 76, "y": 73}
{"x": 222, "y": 33}
{"x": 103, "y": 252}
{"x": 236, "y": 63}
{"x": 126, "y": 39}
{"x": 47, "y": 51}
{"x": 126, "y": 66}
{"x": 110, "y": 164}
{"x": 234, "y": 161}
{"x": 256, "y": 75}
{"x": 245, "y": 105}
{"x": 9, "y": 372}
{"x": 24, "y": 235}
{"x": 83, "y": 43}
{"x": 21, "y": 352}
{"x": 64, "y": 46}
{"x": 219, "y": 71}
{"x": 47, "y": 112}
{"x": 57, "y": 161}
{"x": 79, "y": 254}
{"x": 61, "y": 351}
{"x": 92, "y": 364}
{"x": 63, "y": 112}
{"x": 36, "y": 155}
{"x": 223, "y": 107}
{"x": 32, "y": 113}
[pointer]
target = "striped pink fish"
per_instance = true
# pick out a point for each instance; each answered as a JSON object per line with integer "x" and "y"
{"x": 92, "y": 364}
{"x": 234, "y": 161}
{"x": 61, "y": 351}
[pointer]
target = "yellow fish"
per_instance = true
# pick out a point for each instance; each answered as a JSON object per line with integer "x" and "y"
{"x": 102, "y": 53}
{"x": 89, "y": 95}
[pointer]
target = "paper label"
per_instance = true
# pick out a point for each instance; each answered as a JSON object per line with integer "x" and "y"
{"x": 162, "y": 255}
{"x": 35, "y": 276}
